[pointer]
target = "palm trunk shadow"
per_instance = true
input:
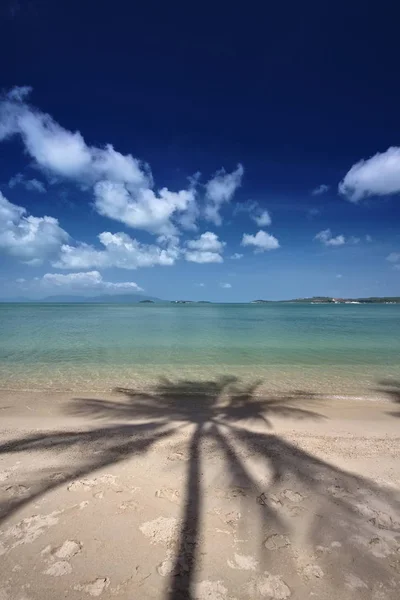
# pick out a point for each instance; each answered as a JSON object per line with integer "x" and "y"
{"x": 182, "y": 582}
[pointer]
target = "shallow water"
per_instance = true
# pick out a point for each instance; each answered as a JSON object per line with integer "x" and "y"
{"x": 335, "y": 349}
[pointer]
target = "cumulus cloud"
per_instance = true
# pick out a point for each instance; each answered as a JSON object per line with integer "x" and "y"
{"x": 200, "y": 284}
{"x": 226, "y": 286}
{"x": 236, "y": 256}
{"x": 368, "y": 238}
{"x": 28, "y": 238}
{"x": 262, "y": 241}
{"x": 219, "y": 190}
{"x": 61, "y": 152}
{"x": 119, "y": 250}
{"x": 122, "y": 184}
{"x": 326, "y": 238}
{"x": 263, "y": 219}
{"x": 205, "y": 249}
{"x": 260, "y": 216}
{"x": 32, "y": 185}
{"x": 393, "y": 257}
{"x": 339, "y": 276}
{"x": 142, "y": 209}
{"x": 321, "y": 189}
{"x": 91, "y": 280}
{"x": 208, "y": 241}
{"x": 203, "y": 257}
{"x": 376, "y": 176}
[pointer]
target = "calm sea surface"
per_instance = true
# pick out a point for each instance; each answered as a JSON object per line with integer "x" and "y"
{"x": 335, "y": 349}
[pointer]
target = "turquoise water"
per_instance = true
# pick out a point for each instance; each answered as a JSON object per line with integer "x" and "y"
{"x": 340, "y": 349}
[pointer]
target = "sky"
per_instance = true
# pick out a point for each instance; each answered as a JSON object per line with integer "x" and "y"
{"x": 207, "y": 152}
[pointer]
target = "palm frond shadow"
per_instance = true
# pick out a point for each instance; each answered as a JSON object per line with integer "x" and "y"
{"x": 391, "y": 388}
{"x": 237, "y": 419}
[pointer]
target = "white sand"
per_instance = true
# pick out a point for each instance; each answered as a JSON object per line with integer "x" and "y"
{"x": 94, "y": 499}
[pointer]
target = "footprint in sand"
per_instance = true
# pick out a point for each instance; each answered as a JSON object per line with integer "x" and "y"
{"x": 377, "y": 518}
{"x": 231, "y": 493}
{"x": 65, "y": 552}
{"x": 167, "y": 565}
{"x": 59, "y": 477}
{"x": 58, "y": 569}
{"x": 94, "y": 588}
{"x": 231, "y": 518}
{"x": 312, "y": 572}
{"x": 169, "y": 494}
{"x": 162, "y": 530}
{"x": 17, "y": 490}
{"x": 87, "y": 484}
{"x": 277, "y": 541}
{"x": 129, "y": 505}
{"x": 243, "y": 562}
{"x": 69, "y": 549}
{"x": 28, "y": 530}
{"x": 269, "y": 586}
{"x": 292, "y": 496}
{"x": 211, "y": 590}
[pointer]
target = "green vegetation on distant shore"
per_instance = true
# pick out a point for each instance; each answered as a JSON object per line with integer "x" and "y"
{"x": 329, "y": 300}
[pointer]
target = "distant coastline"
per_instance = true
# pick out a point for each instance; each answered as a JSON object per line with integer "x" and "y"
{"x": 142, "y": 299}
{"x": 329, "y": 300}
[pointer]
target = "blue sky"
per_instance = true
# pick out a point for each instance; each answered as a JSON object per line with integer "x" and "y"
{"x": 202, "y": 155}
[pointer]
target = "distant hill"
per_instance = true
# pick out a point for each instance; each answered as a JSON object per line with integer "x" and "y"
{"x": 103, "y": 299}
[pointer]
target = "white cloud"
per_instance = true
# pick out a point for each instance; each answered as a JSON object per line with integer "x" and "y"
{"x": 393, "y": 257}
{"x": 92, "y": 280}
{"x": 219, "y": 190}
{"x": 376, "y": 176}
{"x": 119, "y": 250}
{"x": 205, "y": 249}
{"x": 326, "y": 238}
{"x": 339, "y": 276}
{"x": 32, "y": 185}
{"x": 321, "y": 189}
{"x": 261, "y": 217}
{"x": 197, "y": 256}
{"x": 122, "y": 184}
{"x": 200, "y": 284}
{"x": 208, "y": 241}
{"x": 261, "y": 241}
{"x": 226, "y": 286}
{"x": 236, "y": 256}
{"x": 142, "y": 209}
{"x": 28, "y": 238}
{"x": 368, "y": 238}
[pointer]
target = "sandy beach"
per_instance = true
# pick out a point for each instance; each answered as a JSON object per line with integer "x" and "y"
{"x": 207, "y": 491}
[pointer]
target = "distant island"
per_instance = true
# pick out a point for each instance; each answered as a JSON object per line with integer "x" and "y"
{"x": 103, "y": 299}
{"x": 329, "y": 300}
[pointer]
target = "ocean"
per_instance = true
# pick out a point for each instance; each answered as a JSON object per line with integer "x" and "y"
{"x": 331, "y": 349}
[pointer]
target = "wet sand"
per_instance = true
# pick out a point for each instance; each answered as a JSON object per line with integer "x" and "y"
{"x": 203, "y": 492}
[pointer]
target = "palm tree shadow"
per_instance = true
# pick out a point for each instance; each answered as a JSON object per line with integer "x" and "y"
{"x": 391, "y": 388}
{"x": 238, "y": 420}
